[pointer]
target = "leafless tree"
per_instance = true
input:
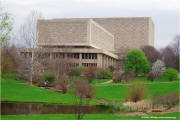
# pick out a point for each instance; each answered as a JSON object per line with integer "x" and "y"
{"x": 175, "y": 46}
{"x": 169, "y": 58}
{"x": 84, "y": 93}
{"x": 151, "y": 53}
{"x": 29, "y": 34}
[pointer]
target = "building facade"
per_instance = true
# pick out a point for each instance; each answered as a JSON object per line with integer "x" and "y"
{"x": 93, "y": 41}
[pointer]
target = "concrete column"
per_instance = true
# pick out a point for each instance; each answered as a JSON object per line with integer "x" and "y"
{"x": 80, "y": 59}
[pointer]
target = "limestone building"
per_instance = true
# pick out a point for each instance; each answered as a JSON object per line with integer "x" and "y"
{"x": 94, "y": 41}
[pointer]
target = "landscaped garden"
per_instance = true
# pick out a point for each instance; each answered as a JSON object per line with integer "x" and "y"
{"x": 147, "y": 86}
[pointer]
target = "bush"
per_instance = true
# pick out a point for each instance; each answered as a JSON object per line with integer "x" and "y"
{"x": 171, "y": 74}
{"x": 128, "y": 75}
{"x": 170, "y": 100}
{"x": 151, "y": 76}
{"x": 137, "y": 91}
{"x": 90, "y": 73}
{"x": 158, "y": 68}
{"x": 77, "y": 71}
{"x": 137, "y": 61}
{"x": 50, "y": 77}
{"x": 104, "y": 74}
{"x": 63, "y": 83}
{"x": 117, "y": 77}
{"x": 37, "y": 78}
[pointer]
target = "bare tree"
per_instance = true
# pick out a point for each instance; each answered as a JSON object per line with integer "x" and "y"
{"x": 175, "y": 46}
{"x": 169, "y": 58}
{"x": 151, "y": 53}
{"x": 29, "y": 34}
{"x": 84, "y": 93}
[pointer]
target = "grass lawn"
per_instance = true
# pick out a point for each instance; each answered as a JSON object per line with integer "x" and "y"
{"x": 86, "y": 117}
{"x": 15, "y": 91}
{"x": 118, "y": 92}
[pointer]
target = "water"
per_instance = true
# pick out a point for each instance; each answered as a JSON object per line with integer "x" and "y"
{"x": 31, "y": 108}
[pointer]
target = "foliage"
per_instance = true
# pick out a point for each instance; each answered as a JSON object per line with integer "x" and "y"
{"x": 151, "y": 53}
{"x": 171, "y": 99}
{"x": 158, "y": 68}
{"x": 50, "y": 77}
{"x": 137, "y": 91}
{"x": 77, "y": 71}
{"x": 151, "y": 76}
{"x": 5, "y": 26}
{"x": 137, "y": 61}
{"x": 90, "y": 73}
{"x": 104, "y": 74}
{"x": 171, "y": 74}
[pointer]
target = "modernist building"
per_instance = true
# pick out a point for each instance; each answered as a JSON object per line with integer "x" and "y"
{"x": 94, "y": 41}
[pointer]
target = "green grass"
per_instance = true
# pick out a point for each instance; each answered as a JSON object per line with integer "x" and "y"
{"x": 15, "y": 91}
{"x": 86, "y": 117}
{"x": 118, "y": 92}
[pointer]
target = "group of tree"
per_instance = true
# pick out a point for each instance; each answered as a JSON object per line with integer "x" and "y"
{"x": 154, "y": 62}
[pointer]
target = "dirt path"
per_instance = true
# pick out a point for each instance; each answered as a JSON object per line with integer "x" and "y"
{"x": 107, "y": 82}
{"x": 111, "y": 81}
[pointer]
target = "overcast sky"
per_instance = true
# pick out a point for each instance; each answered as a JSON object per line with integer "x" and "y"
{"x": 165, "y": 13}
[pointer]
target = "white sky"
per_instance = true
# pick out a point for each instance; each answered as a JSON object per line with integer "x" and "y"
{"x": 165, "y": 13}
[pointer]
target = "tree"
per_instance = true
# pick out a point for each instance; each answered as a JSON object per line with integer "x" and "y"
{"x": 137, "y": 61}
{"x": 29, "y": 34}
{"x": 6, "y": 23}
{"x": 175, "y": 46}
{"x": 169, "y": 58}
{"x": 10, "y": 59}
{"x": 158, "y": 68}
{"x": 90, "y": 73}
{"x": 151, "y": 53}
{"x": 84, "y": 92}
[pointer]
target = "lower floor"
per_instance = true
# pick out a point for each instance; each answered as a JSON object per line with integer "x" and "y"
{"x": 79, "y": 57}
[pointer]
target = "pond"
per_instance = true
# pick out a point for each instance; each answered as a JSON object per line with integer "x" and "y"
{"x": 32, "y": 108}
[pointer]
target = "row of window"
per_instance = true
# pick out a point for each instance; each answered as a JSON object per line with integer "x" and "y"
{"x": 89, "y": 55}
{"x": 89, "y": 64}
{"x": 70, "y": 55}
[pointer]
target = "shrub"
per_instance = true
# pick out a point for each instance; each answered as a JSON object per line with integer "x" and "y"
{"x": 151, "y": 76}
{"x": 104, "y": 74}
{"x": 77, "y": 71}
{"x": 117, "y": 77}
{"x": 50, "y": 77}
{"x": 62, "y": 83}
{"x": 158, "y": 68}
{"x": 171, "y": 74}
{"x": 82, "y": 88}
{"x": 37, "y": 78}
{"x": 128, "y": 75}
{"x": 170, "y": 100}
{"x": 137, "y": 61}
{"x": 137, "y": 91}
{"x": 90, "y": 73}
